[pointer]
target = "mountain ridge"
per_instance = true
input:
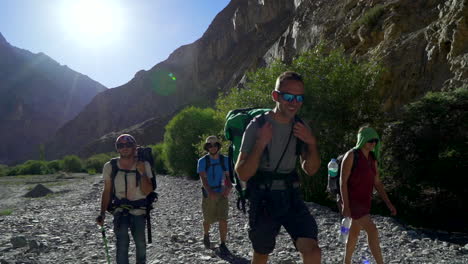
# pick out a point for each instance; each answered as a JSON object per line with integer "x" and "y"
{"x": 37, "y": 96}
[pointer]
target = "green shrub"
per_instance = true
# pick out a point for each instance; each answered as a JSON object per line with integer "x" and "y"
{"x": 340, "y": 95}
{"x": 12, "y": 171}
{"x": 182, "y": 132}
{"x": 54, "y": 165}
{"x": 6, "y": 212}
{"x": 425, "y": 155}
{"x": 158, "y": 155}
{"x": 370, "y": 18}
{"x": 96, "y": 162}
{"x": 33, "y": 167}
{"x": 3, "y": 170}
{"x": 72, "y": 163}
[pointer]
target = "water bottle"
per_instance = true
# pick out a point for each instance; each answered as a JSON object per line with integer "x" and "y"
{"x": 344, "y": 230}
{"x": 364, "y": 260}
{"x": 332, "y": 174}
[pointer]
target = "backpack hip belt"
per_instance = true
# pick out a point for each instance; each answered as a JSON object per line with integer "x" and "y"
{"x": 128, "y": 205}
{"x": 280, "y": 185}
{"x": 266, "y": 180}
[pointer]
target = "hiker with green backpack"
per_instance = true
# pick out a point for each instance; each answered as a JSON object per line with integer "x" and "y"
{"x": 128, "y": 194}
{"x": 216, "y": 187}
{"x": 359, "y": 176}
{"x": 267, "y": 163}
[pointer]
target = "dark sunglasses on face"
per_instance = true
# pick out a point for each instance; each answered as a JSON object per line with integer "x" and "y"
{"x": 374, "y": 140}
{"x": 290, "y": 97}
{"x": 125, "y": 145}
{"x": 209, "y": 145}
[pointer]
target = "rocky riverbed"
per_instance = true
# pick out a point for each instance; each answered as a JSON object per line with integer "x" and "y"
{"x": 60, "y": 228}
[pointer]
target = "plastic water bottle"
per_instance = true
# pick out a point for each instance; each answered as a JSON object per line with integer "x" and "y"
{"x": 344, "y": 230}
{"x": 332, "y": 174}
{"x": 364, "y": 260}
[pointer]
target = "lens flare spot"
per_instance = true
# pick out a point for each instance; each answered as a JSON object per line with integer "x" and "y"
{"x": 163, "y": 82}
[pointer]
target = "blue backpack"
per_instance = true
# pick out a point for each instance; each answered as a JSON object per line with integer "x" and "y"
{"x": 208, "y": 165}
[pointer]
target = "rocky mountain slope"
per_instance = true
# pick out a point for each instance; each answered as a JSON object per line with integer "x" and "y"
{"x": 423, "y": 44}
{"x": 60, "y": 228}
{"x": 37, "y": 96}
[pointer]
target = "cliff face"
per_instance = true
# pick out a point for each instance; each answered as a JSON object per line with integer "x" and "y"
{"x": 422, "y": 44}
{"x": 37, "y": 96}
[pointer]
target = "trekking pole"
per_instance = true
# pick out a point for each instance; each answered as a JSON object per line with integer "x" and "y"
{"x": 104, "y": 238}
{"x": 148, "y": 228}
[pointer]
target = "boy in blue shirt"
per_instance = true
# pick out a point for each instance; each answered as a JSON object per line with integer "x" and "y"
{"x": 214, "y": 175}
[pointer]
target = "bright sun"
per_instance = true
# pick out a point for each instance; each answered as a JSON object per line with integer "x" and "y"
{"x": 93, "y": 22}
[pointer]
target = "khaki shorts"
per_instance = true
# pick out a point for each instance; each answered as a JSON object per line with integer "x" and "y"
{"x": 215, "y": 210}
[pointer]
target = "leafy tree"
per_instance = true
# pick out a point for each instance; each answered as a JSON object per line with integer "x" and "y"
{"x": 41, "y": 152}
{"x": 425, "y": 157}
{"x": 182, "y": 132}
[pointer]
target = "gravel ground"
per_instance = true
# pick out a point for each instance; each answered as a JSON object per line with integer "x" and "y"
{"x": 60, "y": 228}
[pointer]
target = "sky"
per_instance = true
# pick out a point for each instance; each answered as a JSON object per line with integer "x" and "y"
{"x": 108, "y": 40}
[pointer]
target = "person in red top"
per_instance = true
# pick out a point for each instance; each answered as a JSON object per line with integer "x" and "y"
{"x": 356, "y": 186}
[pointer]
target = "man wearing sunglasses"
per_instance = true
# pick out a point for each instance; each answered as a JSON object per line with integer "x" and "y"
{"x": 214, "y": 175}
{"x": 125, "y": 196}
{"x": 357, "y": 183}
{"x": 267, "y": 162}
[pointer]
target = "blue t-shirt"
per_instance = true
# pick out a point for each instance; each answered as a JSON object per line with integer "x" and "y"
{"x": 215, "y": 174}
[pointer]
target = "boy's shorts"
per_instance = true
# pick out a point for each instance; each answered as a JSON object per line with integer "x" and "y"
{"x": 268, "y": 212}
{"x": 215, "y": 210}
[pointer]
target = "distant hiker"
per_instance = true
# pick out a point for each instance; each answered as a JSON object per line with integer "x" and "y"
{"x": 214, "y": 175}
{"x": 125, "y": 195}
{"x": 356, "y": 191}
{"x": 267, "y": 162}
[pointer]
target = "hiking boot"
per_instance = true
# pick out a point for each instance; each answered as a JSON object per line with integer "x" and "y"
{"x": 223, "y": 250}
{"x": 206, "y": 241}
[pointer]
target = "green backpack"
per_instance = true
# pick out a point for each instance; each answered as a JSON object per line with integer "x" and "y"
{"x": 236, "y": 123}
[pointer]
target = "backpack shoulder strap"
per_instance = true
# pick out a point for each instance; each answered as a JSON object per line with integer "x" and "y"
{"x": 221, "y": 160}
{"x": 207, "y": 162}
{"x": 355, "y": 158}
{"x": 299, "y": 143}
{"x": 261, "y": 121}
{"x": 115, "y": 168}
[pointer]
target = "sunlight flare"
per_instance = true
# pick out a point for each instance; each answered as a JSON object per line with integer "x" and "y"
{"x": 92, "y": 23}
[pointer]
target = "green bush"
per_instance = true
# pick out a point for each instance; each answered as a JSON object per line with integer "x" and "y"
{"x": 425, "y": 155}
{"x": 158, "y": 155}
{"x": 54, "y": 165}
{"x": 340, "y": 95}
{"x": 95, "y": 163}
{"x": 72, "y": 163}
{"x": 12, "y": 171}
{"x": 33, "y": 167}
{"x": 182, "y": 132}
{"x": 3, "y": 170}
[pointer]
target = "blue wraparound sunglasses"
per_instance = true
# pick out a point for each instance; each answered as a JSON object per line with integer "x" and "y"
{"x": 290, "y": 97}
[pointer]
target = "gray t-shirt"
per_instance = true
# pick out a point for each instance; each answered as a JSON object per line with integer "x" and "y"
{"x": 276, "y": 147}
